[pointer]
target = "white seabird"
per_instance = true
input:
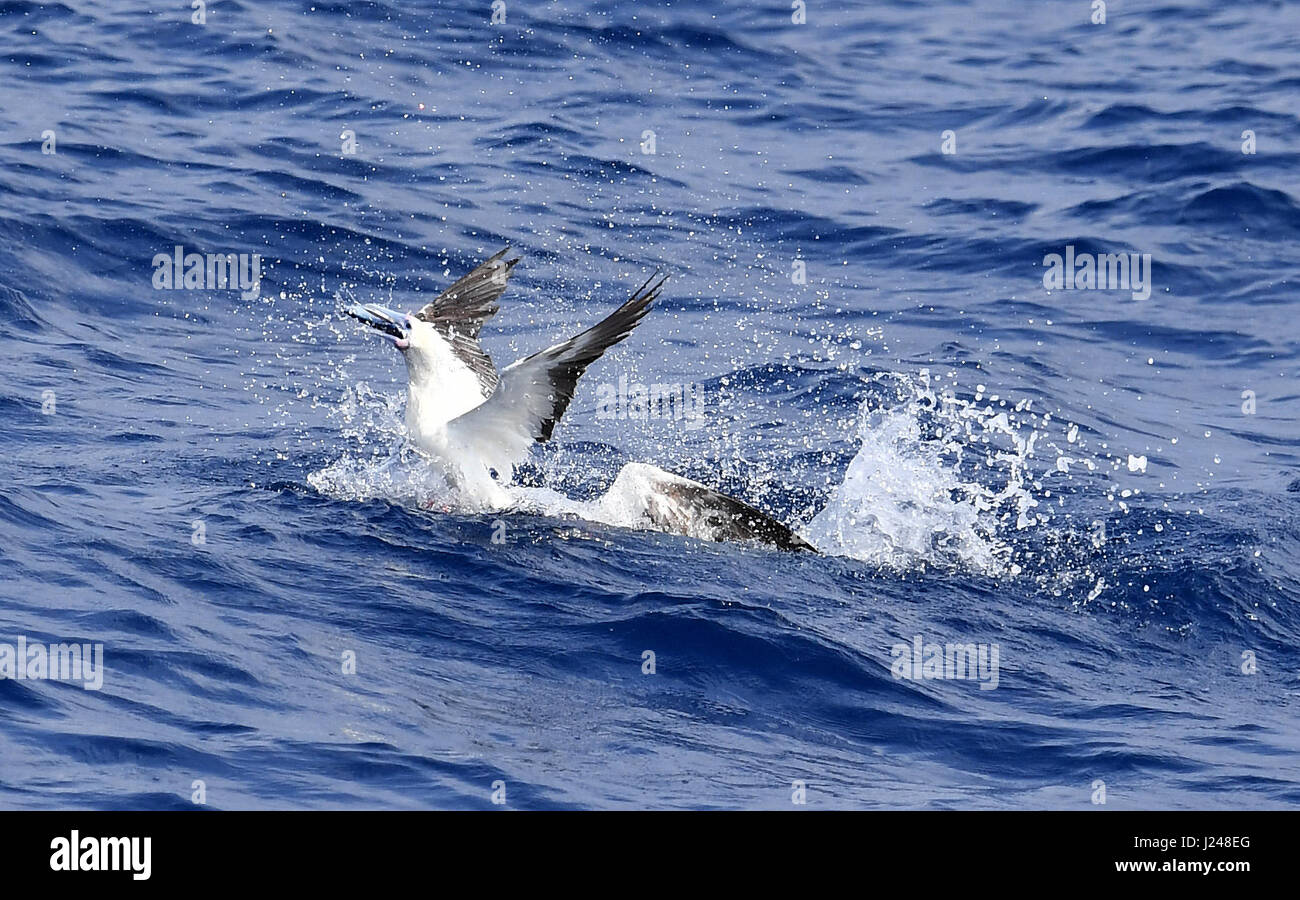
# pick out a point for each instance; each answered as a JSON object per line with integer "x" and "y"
{"x": 476, "y": 424}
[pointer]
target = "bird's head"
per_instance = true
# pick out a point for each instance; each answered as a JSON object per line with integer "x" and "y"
{"x": 424, "y": 351}
{"x": 397, "y": 327}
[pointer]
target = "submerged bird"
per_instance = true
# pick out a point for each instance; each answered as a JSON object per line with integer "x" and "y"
{"x": 477, "y": 424}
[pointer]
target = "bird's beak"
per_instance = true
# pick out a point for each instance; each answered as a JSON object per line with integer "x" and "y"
{"x": 396, "y": 326}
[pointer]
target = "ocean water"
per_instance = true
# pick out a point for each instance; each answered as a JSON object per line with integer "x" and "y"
{"x": 1099, "y": 486}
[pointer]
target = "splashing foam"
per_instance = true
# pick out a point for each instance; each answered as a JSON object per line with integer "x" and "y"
{"x": 900, "y": 506}
{"x": 904, "y": 502}
{"x": 381, "y": 466}
{"x": 937, "y": 481}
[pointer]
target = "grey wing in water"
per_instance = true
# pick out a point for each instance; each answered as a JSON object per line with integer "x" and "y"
{"x": 696, "y": 507}
{"x": 679, "y": 505}
{"x": 458, "y": 314}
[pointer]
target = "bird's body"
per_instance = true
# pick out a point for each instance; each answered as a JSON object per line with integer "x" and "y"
{"x": 476, "y": 424}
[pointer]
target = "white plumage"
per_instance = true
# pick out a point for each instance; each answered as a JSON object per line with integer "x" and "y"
{"x": 474, "y": 423}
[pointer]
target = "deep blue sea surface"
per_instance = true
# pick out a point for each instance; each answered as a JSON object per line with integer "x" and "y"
{"x": 214, "y": 486}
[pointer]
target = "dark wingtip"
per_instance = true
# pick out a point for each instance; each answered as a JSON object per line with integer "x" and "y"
{"x": 649, "y": 291}
{"x": 500, "y": 254}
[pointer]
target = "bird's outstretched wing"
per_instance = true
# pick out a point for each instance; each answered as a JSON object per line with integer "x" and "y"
{"x": 459, "y": 312}
{"x": 534, "y": 393}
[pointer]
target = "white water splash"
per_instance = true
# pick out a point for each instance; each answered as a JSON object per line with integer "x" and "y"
{"x": 900, "y": 506}
{"x": 908, "y": 499}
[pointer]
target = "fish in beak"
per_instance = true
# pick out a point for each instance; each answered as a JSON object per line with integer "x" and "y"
{"x": 395, "y": 326}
